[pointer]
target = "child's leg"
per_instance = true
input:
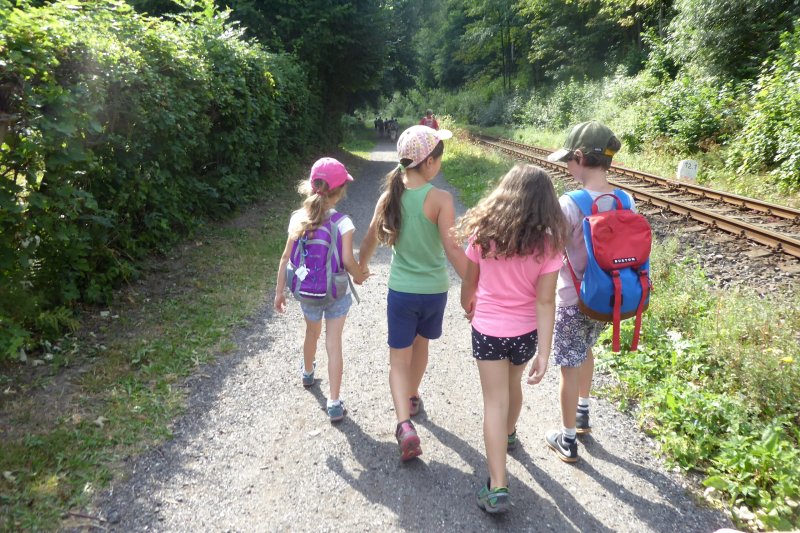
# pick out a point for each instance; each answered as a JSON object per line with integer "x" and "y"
{"x": 569, "y": 395}
{"x": 419, "y": 363}
{"x": 495, "y": 386}
{"x": 313, "y": 330}
{"x": 400, "y": 379}
{"x": 333, "y": 345}
{"x": 514, "y": 396}
{"x": 586, "y": 373}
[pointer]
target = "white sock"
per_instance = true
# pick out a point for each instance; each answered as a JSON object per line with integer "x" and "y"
{"x": 583, "y": 402}
{"x": 570, "y": 433}
{"x": 331, "y": 403}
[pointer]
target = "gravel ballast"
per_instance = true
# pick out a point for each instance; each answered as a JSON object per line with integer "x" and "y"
{"x": 255, "y": 450}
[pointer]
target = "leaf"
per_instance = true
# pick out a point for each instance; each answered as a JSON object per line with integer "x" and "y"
{"x": 716, "y": 482}
{"x": 100, "y": 421}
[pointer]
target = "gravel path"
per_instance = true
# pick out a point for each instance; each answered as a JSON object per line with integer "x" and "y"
{"x": 255, "y": 451}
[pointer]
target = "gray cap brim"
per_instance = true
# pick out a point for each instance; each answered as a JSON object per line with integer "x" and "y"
{"x": 558, "y": 155}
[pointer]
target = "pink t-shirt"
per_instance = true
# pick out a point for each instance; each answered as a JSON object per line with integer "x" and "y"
{"x": 506, "y": 294}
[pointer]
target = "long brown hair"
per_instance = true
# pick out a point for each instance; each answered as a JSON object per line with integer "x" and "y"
{"x": 389, "y": 210}
{"x": 520, "y": 217}
{"x": 319, "y": 198}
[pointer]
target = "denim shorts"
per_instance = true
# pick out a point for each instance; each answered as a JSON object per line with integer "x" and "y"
{"x": 412, "y": 314}
{"x": 518, "y": 350}
{"x": 335, "y": 309}
{"x": 574, "y": 334}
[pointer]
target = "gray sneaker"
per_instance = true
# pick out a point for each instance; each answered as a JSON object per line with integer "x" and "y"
{"x": 493, "y": 500}
{"x": 336, "y": 411}
{"x": 566, "y": 451}
{"x": 513, "y": 441}
{"x": 582, "y": 425}
{"x": 308, "y": 379}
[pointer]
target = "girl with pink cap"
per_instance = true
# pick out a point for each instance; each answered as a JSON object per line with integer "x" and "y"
{"x": 415, "y": 219}
{"x": 323, "y": 190}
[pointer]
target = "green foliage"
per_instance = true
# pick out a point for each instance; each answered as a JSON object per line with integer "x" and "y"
{"x": 122, "y": 133}
{"x": 687, "y": 115}
{"x": 770, "y": 139}
{"x": 717, "y": 385}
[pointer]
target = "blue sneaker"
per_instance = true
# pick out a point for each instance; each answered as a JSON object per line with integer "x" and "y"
{"x": 308, "y": 379}
{"x": 336, "y": 411}
{"x": 494, "y": 500}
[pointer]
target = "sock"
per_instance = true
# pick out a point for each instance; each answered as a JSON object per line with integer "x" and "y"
{"x": 583, "y": 405}
{"x": 331, "y": 403}
{"x": 569, "y": 434}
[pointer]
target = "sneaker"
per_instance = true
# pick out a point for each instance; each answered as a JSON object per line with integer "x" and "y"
{"x": 566, "y": 451}
{"x": 308, "y": 379}
{"x": 494, "y": 500}
{"x": 415, "y": 404}
{"x": 582, "y": 425}
{"x": 408, "y": 440}
{"x": 513, "y": 441}
{"x": 336, "y": 411}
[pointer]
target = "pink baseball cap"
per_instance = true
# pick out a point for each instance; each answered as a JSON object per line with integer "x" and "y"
{"x": 331, "y": 172}
{"x": 417, "y": 143}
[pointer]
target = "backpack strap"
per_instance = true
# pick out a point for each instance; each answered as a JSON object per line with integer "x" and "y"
{"x": 334, "y": 224}
{"x": 583, "y": 200}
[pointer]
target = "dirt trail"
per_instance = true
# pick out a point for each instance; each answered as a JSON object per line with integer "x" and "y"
{"x": 255, "y": 451}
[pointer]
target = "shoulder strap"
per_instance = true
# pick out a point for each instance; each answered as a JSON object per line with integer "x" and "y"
{"x": 583, "y": 200}
{"x": 624, "y": 198}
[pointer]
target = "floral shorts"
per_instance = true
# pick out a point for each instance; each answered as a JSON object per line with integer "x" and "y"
{"x": 518, "y": 350}
{"x": 574, "y": 334}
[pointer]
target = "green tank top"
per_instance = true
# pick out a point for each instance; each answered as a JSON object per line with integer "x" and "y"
{"x": 418, "y": 259}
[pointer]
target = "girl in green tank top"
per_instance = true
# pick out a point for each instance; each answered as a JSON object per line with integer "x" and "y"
{"x": 414, "y": 218}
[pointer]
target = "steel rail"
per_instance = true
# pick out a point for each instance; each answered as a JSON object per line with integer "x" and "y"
{"x": 776, "y": 241}
{"x": 735, "y": 200}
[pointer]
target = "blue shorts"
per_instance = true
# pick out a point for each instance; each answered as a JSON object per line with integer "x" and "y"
{"x": 335, "y": 309}
{"x": 412, "y": 314}
{"x": 517, "y": 350}
{"x": 573, "y": 335}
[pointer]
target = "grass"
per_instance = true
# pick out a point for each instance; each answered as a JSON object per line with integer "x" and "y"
{"x": 125, "y": 392}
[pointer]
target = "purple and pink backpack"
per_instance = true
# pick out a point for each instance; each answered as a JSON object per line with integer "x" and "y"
{"x": 316, "y": 273}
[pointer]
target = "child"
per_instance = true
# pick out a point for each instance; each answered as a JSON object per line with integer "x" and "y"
{"x": 587, "y": 152}
{"x": 415, "y": 219}
{"x": 429, "y": 120}
{"x": 515, "y": 236}
{"x": 325, "y": 187}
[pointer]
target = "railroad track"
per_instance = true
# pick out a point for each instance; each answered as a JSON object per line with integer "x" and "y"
{"x": 773, "y": 226}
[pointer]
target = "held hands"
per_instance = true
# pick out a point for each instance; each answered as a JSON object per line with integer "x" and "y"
{"x": 362, "y": 276}
{"x": 469, "y": 309}
{"x": 538, "y": 369}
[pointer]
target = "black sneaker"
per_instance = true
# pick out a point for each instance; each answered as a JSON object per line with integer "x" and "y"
{"x": 582, "y": 425}
{"x": 565, "y": 450}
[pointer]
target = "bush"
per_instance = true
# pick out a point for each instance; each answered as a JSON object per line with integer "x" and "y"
{"x": 770, "y": 139}
{"x": 122, "y": 133}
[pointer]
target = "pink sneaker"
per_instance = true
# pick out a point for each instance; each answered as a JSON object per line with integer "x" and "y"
{"x": 408, "y": 440}
{"x": 415, "y": 404}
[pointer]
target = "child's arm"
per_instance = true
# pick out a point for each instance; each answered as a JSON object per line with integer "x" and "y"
{"x": 445, "y": 221}
{"x": 280, "y": 284}
{"x": 545, "y": 320}
{"x": 370, "y": 241}
{"x": 469, "y": 285}
{"x": 349, "y": 260}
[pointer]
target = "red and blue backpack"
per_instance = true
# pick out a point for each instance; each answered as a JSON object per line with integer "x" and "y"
{"x": 316, "y": 272}
{"x": 616, "y": 284}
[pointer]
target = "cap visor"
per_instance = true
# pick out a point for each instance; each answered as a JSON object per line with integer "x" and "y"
{"x": 558, "y": 155}
{"x": 349, "y": 177}
{"x": 443, "y": 135}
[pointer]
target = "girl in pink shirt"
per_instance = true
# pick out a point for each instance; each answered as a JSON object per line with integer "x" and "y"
{"x": 516, "y": 237}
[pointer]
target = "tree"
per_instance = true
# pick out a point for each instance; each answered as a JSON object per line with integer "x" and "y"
{"x": 729, "y": 39}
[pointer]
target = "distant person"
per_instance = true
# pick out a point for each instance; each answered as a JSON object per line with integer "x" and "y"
{"x": 326, "y": 185}
{"x": 414, "y": 218}
{"x": 516, "y": 237}
{"x": 588, "y": 151}
{"x": 429, "y": 120}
